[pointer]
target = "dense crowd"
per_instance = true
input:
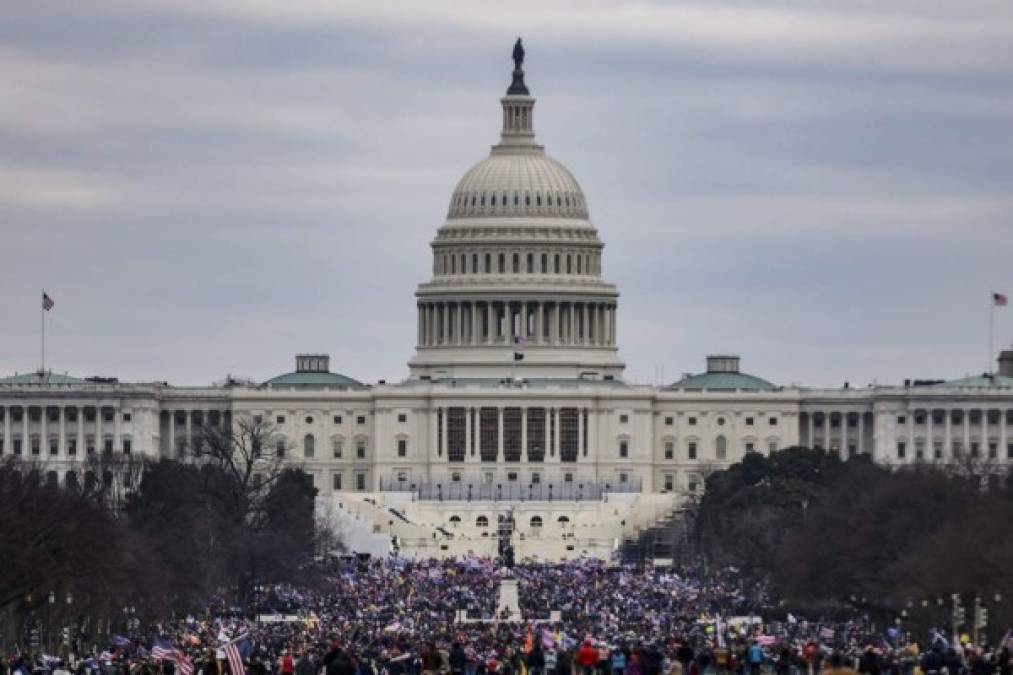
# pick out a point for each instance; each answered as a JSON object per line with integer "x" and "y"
{"x": 396, "y": 617}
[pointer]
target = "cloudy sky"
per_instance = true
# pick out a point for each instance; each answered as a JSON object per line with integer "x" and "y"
{"x": 210, "y": 187}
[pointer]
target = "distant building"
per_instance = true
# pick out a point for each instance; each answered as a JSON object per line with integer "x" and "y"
{"x": 515, "y": 395}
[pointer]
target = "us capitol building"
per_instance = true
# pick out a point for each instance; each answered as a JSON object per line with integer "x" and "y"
{"x": 515, "y": 409}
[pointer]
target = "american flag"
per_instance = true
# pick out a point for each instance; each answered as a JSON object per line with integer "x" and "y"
{"x": 234, "y": 654}
{"x": 999, "y": 300}
{"x": 47, "y": 302}
{"x": 162, "y": 649}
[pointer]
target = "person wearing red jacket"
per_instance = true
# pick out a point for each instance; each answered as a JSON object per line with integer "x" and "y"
{"x": 587, "y": 658}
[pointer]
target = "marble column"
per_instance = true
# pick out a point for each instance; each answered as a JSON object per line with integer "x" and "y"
{"x": 984, "y": 433}
{"x": 80, "y": 431}
{"x": 8, "y": 442}
{"x": 62, "y": 443}
{"x": 861, "y": 432}
{"x": 469, "y": 448}
{"x": 43, "y": 436}
{"x": 99, "y": 445}
{"x": 189, "y": 431}
{"x": 547, "y": 445}
{"x": 948, "y": 434}
{"x": 844, "y": 434}
{"x": 445, "y": 434}
{"x": 930, "y": 444}
{"x": 26, "y": 445}
{"x": 499, "y": 434}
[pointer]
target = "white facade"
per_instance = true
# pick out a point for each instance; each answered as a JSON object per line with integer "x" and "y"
{"x": 516, "y": 383}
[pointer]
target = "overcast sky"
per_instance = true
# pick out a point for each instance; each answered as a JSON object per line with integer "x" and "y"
{"x": 825, "y": 188}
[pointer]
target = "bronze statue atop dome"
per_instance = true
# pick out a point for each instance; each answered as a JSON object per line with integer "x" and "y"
{"x": 517, "y": 87}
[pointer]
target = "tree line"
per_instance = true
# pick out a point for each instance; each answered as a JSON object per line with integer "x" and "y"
{"x": 149, "y": 539}
{"x": 828, "y": 536}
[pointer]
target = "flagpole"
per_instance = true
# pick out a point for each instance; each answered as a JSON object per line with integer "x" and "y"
{"x": 42, "y": 311}
{"x": 991, "y": 332}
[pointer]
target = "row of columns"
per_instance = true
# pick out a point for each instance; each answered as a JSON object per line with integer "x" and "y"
{"x": 910, "y": 436}
{"x": 551, "y": 442}
{"x": 65, "y": 430}
{"x": 569, "y": 263}
{"x": 187, "y": 437}
{"x": 471, "y": 323}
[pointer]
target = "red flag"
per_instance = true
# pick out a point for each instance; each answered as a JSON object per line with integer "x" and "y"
{"x": 999, "y": 300}
{"x": 47, "y": 302}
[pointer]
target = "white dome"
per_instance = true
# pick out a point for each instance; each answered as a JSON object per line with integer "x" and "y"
{"x": 518, "y": 184}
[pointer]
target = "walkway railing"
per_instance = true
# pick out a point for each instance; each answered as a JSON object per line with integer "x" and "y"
{"x": 573, "y": 491}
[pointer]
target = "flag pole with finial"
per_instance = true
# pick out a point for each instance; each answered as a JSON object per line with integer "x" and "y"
{"x": 42, "y": 313}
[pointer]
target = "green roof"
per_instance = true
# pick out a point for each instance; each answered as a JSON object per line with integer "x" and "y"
{"x": 41, "y": 378}
{"x": 314, "y": 380}
{"x": 723, "y": 382}
{"x": 981, "y": 381}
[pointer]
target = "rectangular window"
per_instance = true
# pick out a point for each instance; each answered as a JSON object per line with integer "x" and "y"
{"x": 126, "y": 446}
{"x": 336, "y": 481}
{"x": 360, "y": 449}
{"x": 511, "y": 434}
{"x": 17, "y": 446}
{"x": 567, "y": 477}
{"x": 772, "y": 421}
{"x": 456, "y": 436}
{"x": 402, "y": 447}
{"x": 772, "y": 447}
{"x": 337, "y": 419}
{"x": 624, "y": 478}
{"x": 126, "y": 417}
{"x": 691, "y": 450}
{"x": 360, "y": 482}
{"x": 749, "y": 421}
{"x": 974, "y": 448}
{"x": 624, "y": 448}
{"x": 339, "y": 446}
{"x": 54, "y": 446}
{"x": 35, "y": 446}
{"x": 956, "y": 449}
{"x": 280, "y": 419}
{"x": 1009, "y": 451}
{"x": 937, "y": 450}
{"x": 669, "y": 450}
{"x": 624, "y": 419}
{"x": 901, "y": 449}
{"x": 1, "y": 446}
{"x": 361, "y": 419}
{"x": 107, "y": 415}
{"x": 568, "y": 434}
{"x": 488, "y": 437}
{"x": 402, "y": 418}
{"x": 852, "y": 449}
{"x": 257, "y": 419}
{"x": 536, "y": 478}
{"x": 750, "y": 447}
{"x": 669, "y": 482}
{"x": 402, "y": 476}
{"x": 455, "y": 477}
{"x": 669, "y": 421}
{"x": 901, "y": 419}
{"x": 512, "y": 476}
{"x": 536, "y": 434}
{"x": 279, "y": 447}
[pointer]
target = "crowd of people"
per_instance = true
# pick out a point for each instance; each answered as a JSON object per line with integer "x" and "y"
{"x": 398, "y": 617}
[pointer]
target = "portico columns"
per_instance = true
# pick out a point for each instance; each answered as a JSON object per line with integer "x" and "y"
{"x": 844, "y": 434}
{"x": 62, "y": 443}
{"x": 43, "y": 437}
{"x": 488, "y": 322}
{"x": 967, "y": 431}
{"x": 172, "y": 433}
{"x": 189, "y": 431}
{"x": 984, "y": 433}
{"x": 25, "y": 439}
{"x": 8, "y": 442}
{"x": 861, "y": 432}
{"x": 948, "y": 437}
{"x": 469, "y": 449}
{"x": 930, "y": 444}
{"x": 80, "y": 430}
{"x": 826, "y": 431}
{"x": 812, "y": 430}
{"x": 98, "y": 428}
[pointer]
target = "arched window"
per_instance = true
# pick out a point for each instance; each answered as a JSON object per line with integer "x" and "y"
{"x": 545, "y": 263}
{"x": 579, "y": 261}
{"x": 453, "y": 265}
{"x": 548, "y": 198}
{"x": 493, "y": 200}
{"x": 481, "y": 521}
{"x": 464, "y": 264}
{"x": 308, "y": 446}
{"x": 474, "y": 263}
{"x": 536, "y": 521}
{"x": 502, "y": 263}
{"x": 531, "y": 263}
{"x": 562, "y": 520}
{"x": 488, "y": 263}
{"x": 721, "y": 447}
{"x": 527, "y": 199}
{"x": 569, "y": 264}
{"x": 556, "y": 270}
{"x": 538, "y": 199}
{"x": 455, "y": 520}
{"x": 517, "y": 263}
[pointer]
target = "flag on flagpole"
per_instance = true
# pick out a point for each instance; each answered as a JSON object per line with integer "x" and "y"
{"x": 999, "y": 300}
{"x": 520, "y": 342}
{"x": 47, "y": 302}
{"x": 162, "y": 649}
{"x": 234, "y": 655}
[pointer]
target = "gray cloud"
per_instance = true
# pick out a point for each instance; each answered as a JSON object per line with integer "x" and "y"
{"x": 210, "y": 187}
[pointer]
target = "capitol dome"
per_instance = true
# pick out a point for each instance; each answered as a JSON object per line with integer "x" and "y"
{"x": 517, "y": 289}
{"x": 514, "y": 183}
